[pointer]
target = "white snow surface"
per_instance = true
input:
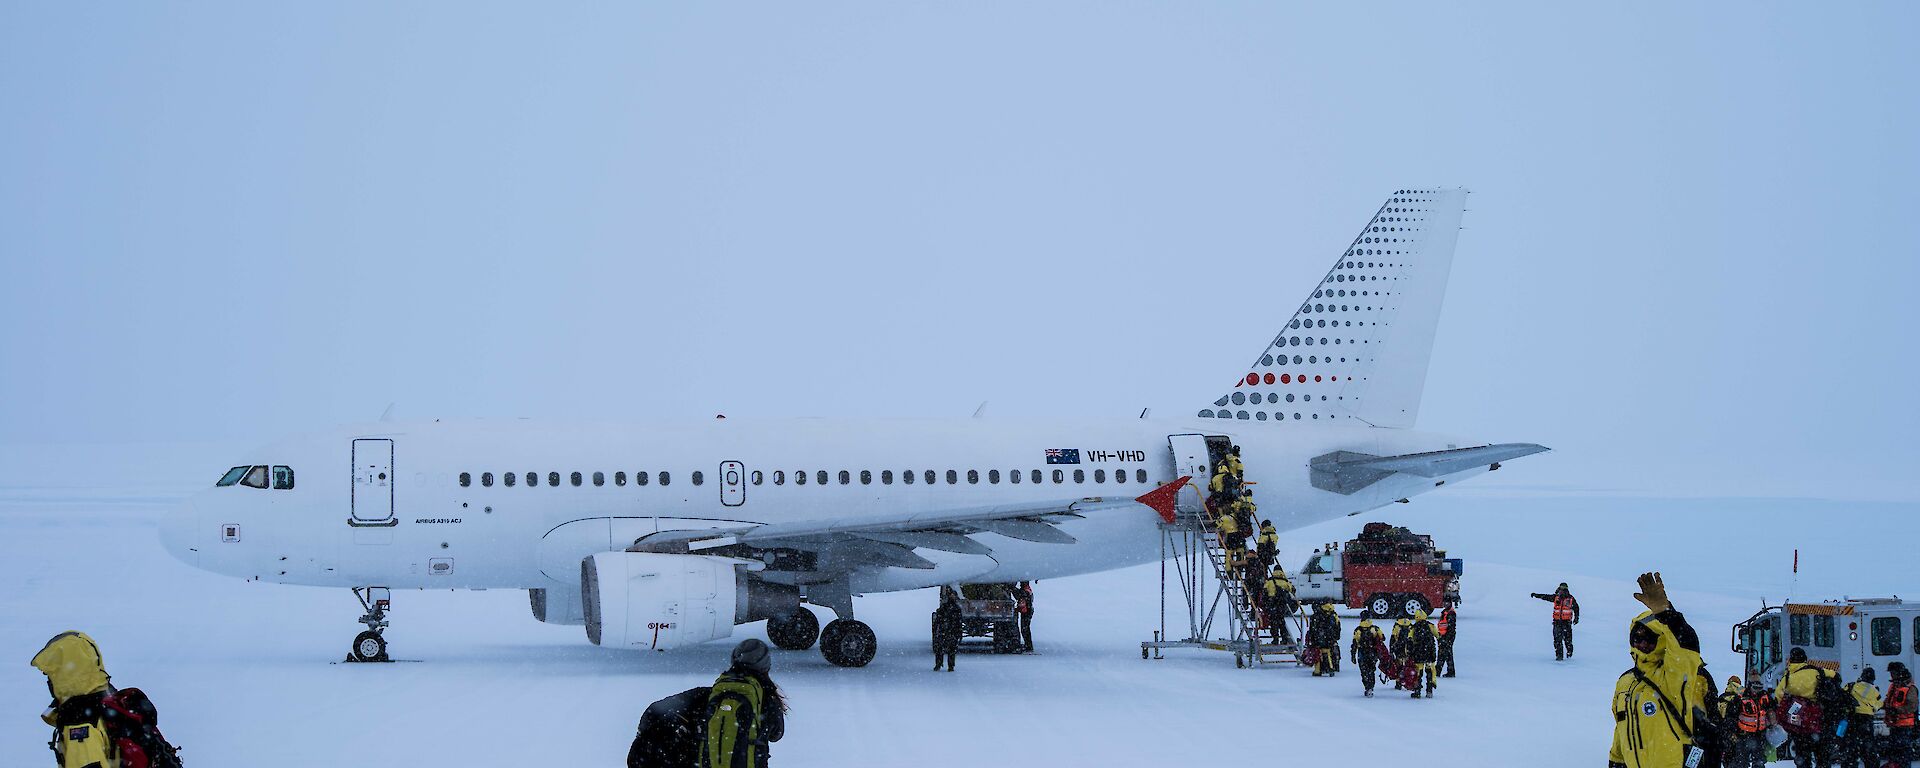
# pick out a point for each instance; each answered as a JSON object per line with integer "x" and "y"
{"x": 242, "y": 674}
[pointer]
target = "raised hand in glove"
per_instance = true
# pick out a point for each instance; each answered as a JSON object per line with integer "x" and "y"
{"x": 1653, "y": 592}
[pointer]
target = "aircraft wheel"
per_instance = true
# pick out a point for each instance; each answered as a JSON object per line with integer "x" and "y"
{"x": 368, "y": 646}
{"x": 794, "y": 633}
{"x": 848, "y": 643}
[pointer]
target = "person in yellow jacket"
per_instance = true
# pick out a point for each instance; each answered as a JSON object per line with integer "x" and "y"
{"x": 1802, "y": 680}
{"x": 1276, "y": 601}
{"x": 1659, "y": 702}
{"x": 1365, "y": 653}
{"x": 1858, "y": 744}
{"x": 78, "y": 679}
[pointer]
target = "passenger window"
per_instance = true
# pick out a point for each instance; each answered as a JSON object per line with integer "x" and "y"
{"x": 1099, "y": 475}
{"x": 698, "y": 478}
{"x": 953, "y": 478}
{"x": 619, "y": 478}
{"x": 993, "y": 476}
{"x": 665, "y": 479}
{"x": 256, "y": 477}
{"x": 779, "y": 477}
{"x": 466, "y": 479}
{"x": 973, "y": 477}
{"x": 1120, "y": 476}
{"x": 1059, "y": 476}
{"x": 574, "y": 477}
{"x": 1036, "y": 477}
{"x": 800, "y": 477}
{"x": 907, "y": 477}
{"x": 282, "y": 478}
{"x": 533, "y": 479}
{"x": 845, "y": 478}
{"x": 1823, "y": 631}
{"x": 1799, "y": 630}
{"x": 233, "y": 476}
{"x": 599, "y": 478}
{"x": 866, "y": 477}
{"x": 886, "y": 477}
{"x": 1079, "y": 475}
{"x": 486, "y": 479}
{"x": 553, "y": 479}
{"x": 639, "y": 478}
{"x": 929, "y": 477}
{"x": 508, "y": 478}
{"x": 1014, "y": 477}
{"x": 820, "y": 477}
{"x": 1886, "y": 635}
{"x": 757, "y": 477}
{"x": 1140, "y": 475}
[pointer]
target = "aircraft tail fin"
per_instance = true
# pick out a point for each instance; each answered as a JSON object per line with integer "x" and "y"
{"x": 1357, "y": 349}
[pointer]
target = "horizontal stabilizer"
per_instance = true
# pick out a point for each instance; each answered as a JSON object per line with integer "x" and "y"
{"x": 1346, "y": 472}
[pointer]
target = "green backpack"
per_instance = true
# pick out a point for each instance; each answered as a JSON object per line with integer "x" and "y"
{"x": 732, "y": 737}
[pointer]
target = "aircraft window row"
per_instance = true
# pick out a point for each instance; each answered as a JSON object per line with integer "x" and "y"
{"x": 256, "y": 477}
{"x": 277, "y": 477}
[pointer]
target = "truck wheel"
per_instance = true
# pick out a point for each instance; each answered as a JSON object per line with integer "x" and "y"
{"x": 1380, "y": 606}
{"x": 1006, "y": 637}
{"x": 1413, "y": 605}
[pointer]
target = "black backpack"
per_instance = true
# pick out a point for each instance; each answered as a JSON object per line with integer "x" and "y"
{"x": 1832, "y": 697}
{"x": 669, "y": 733}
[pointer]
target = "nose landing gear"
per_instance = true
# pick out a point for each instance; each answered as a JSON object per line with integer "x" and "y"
{"x": 370, "y": 645}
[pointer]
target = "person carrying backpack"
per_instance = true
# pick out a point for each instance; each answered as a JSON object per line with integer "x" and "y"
{"x": 669, "y": 733}
{"x": 94, "y": 724}
{"x": 745, "y": 711}
{"x": 1365, "y": 652}
{"x": 1751, "y": 714}
{"x": 1657, "y": 704}
{"x": 1858, "y": 745}
{"x": 1899, "y": 706}
{"x": 1422, "y": 650}
{"x": 1804, "y": 708}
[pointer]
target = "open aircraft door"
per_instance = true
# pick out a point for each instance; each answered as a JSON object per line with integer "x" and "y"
{"x": 1190, "y": 458}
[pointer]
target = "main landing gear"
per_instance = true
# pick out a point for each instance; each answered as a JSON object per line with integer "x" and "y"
{"x": 370, "y": 645}
{"x": 844, "y": 642}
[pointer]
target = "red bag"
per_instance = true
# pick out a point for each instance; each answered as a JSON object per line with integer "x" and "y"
{"x": 1410, "y": 676}
{"x": 1800, "y": 716}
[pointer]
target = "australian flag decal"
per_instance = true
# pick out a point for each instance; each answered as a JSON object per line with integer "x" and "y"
{"x": 1063, "y": 455}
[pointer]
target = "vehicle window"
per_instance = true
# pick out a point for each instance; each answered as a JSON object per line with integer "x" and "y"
{"x": 820, "y": 476}
{"x": 886, "y": 477}
{"x": 1099, "y": 475}
{"x": 953, "y": 477}
{"x": 1799, "y": 629}
{"x": 256, "y": 477}
{"x": 1314, "y": 565}
{"x": 232, "y": 476}
{"x": 758, "y": 478}
{"x": 619, "y": 478}
{"x": 866, "y": 477}
{"x": 574, "y": 477}
{"x": 508, "y": 478}
{"x": 486, "y": 479}
{"x": 466, "y": 479}
{"x": 1916, "y": 634}
{"x": 697, "y": 478}
{"x": 1079, "y": 475}
{"x": 1823, "y": 631}
{"x": 779, "y": 477}
{"x": 639, "y": 478}
{"x": 993, "y": 476}
{"x": 665, "y": 479}
{"x": 1886, "y": 635}
{"x": 973, "y": 477}
{"x": 282, "y": 478}
{"x": 845, "y": 478}
{"x": 1059, "y": 476}
{"x": 599, "y": 478}
{"x": 553, "y": 479}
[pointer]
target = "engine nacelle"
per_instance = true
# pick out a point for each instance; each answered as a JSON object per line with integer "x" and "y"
{"x": 557, "y": 606}
{"x": 657, "y": 601}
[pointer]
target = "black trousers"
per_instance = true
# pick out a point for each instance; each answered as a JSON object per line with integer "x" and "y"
{"x": 1026, "y": 630}
{"x": 1367, "y": 665}
{"x": 946, "y": 657}
{"x": 1859, "y": 746}
{"x": 1562, "y": 638}
{"x": 1445, "y": 665}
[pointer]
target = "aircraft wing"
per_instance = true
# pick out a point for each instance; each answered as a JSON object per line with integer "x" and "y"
{"x": 889, "y": 540}
{"x": 1347, "y": 472}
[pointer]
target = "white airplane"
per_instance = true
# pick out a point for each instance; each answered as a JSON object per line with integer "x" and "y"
{"x": 661, "y": 536}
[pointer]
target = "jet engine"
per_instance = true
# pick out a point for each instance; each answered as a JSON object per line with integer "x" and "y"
{"x": 658, "y": 601}
{"x": 556, "y": 606}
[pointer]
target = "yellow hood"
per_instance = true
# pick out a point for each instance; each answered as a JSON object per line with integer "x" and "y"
{"x": 1664, "y": 641}
{"x": 1420, "y": 616}
{"x": 72, "y": 665}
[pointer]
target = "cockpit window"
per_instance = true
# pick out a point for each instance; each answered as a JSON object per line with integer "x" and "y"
{"x": 232, "y": 476}
{"x": 256, "y": 477}
{"x": 282, "y": 478}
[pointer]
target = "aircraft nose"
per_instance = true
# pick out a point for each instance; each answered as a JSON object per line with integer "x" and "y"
{"x": 176, "y": 533}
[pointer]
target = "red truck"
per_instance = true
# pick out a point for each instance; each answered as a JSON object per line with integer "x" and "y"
{"x": 1387, "y": 571}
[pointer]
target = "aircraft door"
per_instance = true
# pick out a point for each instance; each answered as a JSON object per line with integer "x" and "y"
{"x": 733, "y": 483}
{"x": 1190, "y": 458}
{"x": 372, "y": 500}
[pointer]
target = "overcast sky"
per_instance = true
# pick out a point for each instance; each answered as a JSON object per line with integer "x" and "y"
{"x": 1686, "y": 261}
